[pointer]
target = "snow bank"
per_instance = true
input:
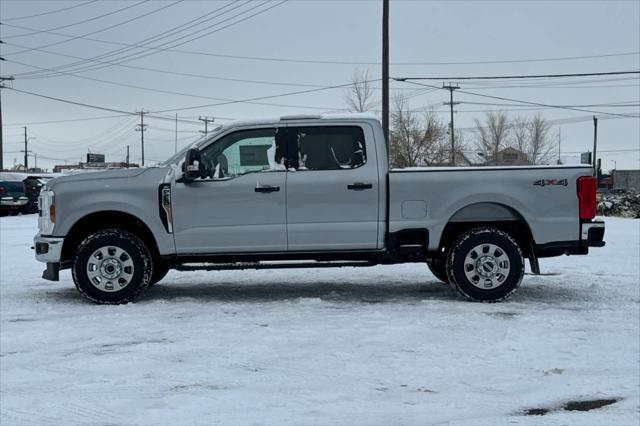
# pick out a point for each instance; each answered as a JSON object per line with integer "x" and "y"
{"x": 622, "y": 204}
{"x": 380, "y": 345}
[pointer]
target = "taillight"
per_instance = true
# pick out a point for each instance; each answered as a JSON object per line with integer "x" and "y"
{"x": 587, "y": 197}
{"x": 1, "y": 189}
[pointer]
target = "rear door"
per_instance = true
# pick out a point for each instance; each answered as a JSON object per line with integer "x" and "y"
{"x": 239, "y": 205}
{"x": 332, "y": 196}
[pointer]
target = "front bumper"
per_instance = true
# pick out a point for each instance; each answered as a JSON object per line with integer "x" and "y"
{"x": 48, "y": 249}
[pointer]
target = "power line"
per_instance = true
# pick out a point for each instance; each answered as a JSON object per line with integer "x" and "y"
{"x": 210, "y": 77}
{"x": 70, "y": 120}
{"x": 143, "y": 15}
{"x": 16, "y": 18}
{"x": 136, "y": 56}
{"x": 159, "y": 36}
{"x": 524, "y": 102}
{"x": 93, "y": 106}
{"x": 506, "y": 77}
{"x": 299, "y": 92}
{"x": 634, "y": 103}
{"x": 108, "y": 133}
{"x": 84, "y": 21}
{"x": 342, "y": 62}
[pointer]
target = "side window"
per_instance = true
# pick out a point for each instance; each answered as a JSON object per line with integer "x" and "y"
{"x": 330, "y": 148}
{"x": 242, "y": 152}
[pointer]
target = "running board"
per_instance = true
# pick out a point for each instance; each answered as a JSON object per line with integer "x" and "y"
{"x": 267, "y": 265}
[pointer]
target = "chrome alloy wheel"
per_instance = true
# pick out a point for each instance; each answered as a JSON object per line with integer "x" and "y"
{"x": 110, "y": 268}
{"x": 487, "y": 266}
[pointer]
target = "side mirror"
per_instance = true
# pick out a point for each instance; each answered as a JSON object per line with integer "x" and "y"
{"x": 191, "y": 166}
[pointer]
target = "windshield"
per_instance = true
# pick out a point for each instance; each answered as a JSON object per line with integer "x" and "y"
{"x": 175, "y": 158}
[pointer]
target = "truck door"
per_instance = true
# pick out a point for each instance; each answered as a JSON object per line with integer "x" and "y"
{"x": 332, "y": 197}
{"x": 239, "y": 205}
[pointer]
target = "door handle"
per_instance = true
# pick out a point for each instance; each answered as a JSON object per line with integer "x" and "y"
{"x": 267, "y": 188}
{"x": 359, "y": 186}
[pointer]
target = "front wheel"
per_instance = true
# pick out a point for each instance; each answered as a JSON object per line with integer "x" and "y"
{"x": 160, "y": 270}
{"x": 485, "y": 265}
{"x": 112, "y": 267}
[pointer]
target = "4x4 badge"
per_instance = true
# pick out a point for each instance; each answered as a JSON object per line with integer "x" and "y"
{"x": 555, "y": 182}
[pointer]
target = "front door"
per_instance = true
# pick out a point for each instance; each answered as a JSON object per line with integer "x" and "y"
{"x": 239, "y": 205}
{"x": 332, "y": 197}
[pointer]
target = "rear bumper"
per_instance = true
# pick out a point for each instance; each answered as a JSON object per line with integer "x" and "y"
{"x": 11, "y": 203}
{"x": 592, "y": 233}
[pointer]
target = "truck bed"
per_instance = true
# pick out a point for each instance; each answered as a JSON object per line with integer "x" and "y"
{"x": 545, "y": 197}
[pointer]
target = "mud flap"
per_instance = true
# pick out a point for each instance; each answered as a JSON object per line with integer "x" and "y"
{"x": 533, "y": 260}
{"x": 52, "y": 273}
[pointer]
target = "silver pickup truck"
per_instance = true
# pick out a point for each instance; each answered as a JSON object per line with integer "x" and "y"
{"x": 310, "y": 191}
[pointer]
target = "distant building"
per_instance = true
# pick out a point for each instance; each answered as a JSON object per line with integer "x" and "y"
{"x": 21, "y": 168}
{"x": 511, "y": 157}
{"x": 506, "y": 157}
{"x": 88, "y": 167}
{"x": 625, "y": 180}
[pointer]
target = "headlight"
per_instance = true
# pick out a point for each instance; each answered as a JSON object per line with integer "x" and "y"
{"x": 47, "y": 212}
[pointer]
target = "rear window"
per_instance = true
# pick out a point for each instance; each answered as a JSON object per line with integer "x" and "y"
{"x": 11, "y": 187}
{"x": 330, "y": 148}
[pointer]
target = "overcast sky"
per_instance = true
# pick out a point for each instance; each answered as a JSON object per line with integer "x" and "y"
{"x": 306, "y": 45}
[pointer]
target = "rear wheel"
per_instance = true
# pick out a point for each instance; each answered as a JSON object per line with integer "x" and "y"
{"x": 112, "y": 267}
{"x": 485, "y": 265}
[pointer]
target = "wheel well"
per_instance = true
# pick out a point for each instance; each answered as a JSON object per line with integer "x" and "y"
{"x": 508, "y": 220}
{"x": 105, "y": 220}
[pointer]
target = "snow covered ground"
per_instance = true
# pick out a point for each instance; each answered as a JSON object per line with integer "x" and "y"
{"x": 381, "y": 345}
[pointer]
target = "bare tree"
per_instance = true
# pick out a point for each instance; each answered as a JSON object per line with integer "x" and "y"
{"x": 437, "y": 148}
{"x": 417, "y": 138}
{"x": 493, "y": 135}
{"x": 406, "y": 142}
{"x": 359, "y": 97}
{"x": 541, "y": 146}
{"x": 531, "y": 137}
{"x": 520, "y": 133}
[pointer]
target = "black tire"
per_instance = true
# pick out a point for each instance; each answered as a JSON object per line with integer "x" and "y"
{"x": 133, "y": 246}
{"x": 467, "y": 245}
{"x": 438, "y": 267}
{"x": 160, "y": 270}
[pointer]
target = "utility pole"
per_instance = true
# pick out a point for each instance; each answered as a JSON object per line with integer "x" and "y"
{"x": 595, "y": 145}
{"x": 450, "y": 87}
{"x": 175, "y": 141}
{"x": 206, "y": 121}
{"x": 559, "y": 144}
{"x": 142, "y": 128}
{"x": 385, "y": 70}
{"x": 26, "y": 151}
{"x": 127, "y": 156}
{"x": 2, "y": 80}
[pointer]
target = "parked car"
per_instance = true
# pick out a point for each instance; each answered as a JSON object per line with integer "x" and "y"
{"x": 33, "y": 185}
{"x": 12, "y": 195}
{"x": 311, "y": 192}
